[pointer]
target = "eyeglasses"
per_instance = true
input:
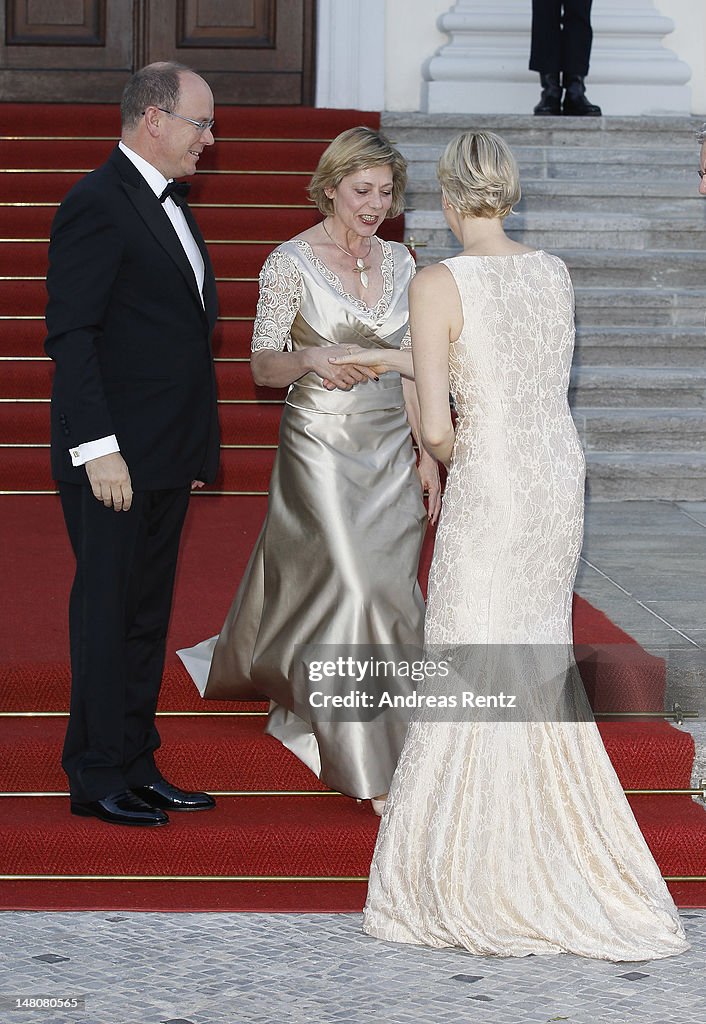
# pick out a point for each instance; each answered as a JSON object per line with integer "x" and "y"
{"x": 203, "y": 126}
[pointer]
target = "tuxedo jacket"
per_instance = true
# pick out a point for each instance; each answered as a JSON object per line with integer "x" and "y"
{"x": 128, "y": 333}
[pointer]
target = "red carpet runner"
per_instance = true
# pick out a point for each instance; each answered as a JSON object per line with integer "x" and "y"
{"x": 279, "y": 841}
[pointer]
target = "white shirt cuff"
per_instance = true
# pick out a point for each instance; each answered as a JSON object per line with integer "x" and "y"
{"x": 83, "y": 453}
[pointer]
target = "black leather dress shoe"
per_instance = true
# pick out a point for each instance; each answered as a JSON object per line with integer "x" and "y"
{"x": 120, "y": 809}
{"x": 576, "y": 103}
{"x": 169, "y": 798}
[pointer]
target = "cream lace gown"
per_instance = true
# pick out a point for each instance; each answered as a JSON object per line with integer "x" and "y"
{"x": 336, "y": 561}
{"x": 513, "y": 837}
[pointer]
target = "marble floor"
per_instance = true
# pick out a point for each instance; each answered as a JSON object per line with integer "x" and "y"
{"x": 316, "y": 969}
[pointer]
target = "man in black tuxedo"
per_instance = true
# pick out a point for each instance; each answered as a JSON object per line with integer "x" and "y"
{"x": 561, "y": 45}
{"x": 132, "y": 304}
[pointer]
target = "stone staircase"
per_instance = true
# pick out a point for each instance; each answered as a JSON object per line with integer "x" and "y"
{"x": 617, "y": 199}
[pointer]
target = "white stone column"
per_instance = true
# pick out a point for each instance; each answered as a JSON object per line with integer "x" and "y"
{"x": 350, "y": 54}
{"x": 483, "y": 67}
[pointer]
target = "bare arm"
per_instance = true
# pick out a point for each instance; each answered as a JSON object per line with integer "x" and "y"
{"x": 436, "y": 320}
{"x": 379, "y": 360}
{"x": 273, "y": 369}
{"x": 427, "y": 468}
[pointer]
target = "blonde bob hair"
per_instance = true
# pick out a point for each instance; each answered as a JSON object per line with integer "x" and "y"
{"x": 479, "y": 175}
{"x": 355, "y": 150}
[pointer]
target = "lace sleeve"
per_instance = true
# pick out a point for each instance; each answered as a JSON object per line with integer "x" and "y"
{"x": 407, "y": 339}
{"x": 278, "y": 302}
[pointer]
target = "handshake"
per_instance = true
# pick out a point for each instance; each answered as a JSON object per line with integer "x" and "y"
{"x": 344, "y": 366}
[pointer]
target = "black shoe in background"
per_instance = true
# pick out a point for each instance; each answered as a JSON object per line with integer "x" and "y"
{"x": 576, "y": 103}
{"x": 550, "y": 101}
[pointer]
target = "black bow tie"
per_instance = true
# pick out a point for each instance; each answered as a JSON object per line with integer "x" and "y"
{"x": 178, "y": 190}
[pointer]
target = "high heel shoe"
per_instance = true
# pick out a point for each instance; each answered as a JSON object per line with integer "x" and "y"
{"x": 378, "y": 805}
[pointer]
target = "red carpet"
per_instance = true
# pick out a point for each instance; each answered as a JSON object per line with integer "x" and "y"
{"x": 271, "y": 849}
{"x": 271, "y": 835}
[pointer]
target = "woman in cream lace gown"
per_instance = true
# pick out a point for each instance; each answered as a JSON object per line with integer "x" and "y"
{"x": 507, "y": 837}
{"x": 336, "y": 561}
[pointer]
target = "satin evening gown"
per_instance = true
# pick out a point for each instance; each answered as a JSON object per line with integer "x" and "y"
{"x": 336, "y": 562}
{"x": 511, "y": 837}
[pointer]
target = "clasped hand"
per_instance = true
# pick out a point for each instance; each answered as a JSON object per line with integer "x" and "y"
{"x": 363, "y": 360}
{"x": 344, "y": 376}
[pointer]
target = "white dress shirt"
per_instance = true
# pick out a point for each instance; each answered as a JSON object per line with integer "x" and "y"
{"x": 82, "y": 453}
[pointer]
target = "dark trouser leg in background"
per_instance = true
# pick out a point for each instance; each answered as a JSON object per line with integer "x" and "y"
{"x": 545, "y": 53}
{"x": 576, "y": 37}
{"x": 118, "y": 616}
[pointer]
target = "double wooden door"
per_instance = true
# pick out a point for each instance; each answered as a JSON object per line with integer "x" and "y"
{"x": 250, "y": 51}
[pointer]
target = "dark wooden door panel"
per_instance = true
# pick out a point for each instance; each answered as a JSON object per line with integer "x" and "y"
{"x": 59, "y": 50}
{"x": 223, "y": 23}
{"x": 251, "y": 51}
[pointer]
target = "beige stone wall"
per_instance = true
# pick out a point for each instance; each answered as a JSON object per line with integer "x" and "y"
{"x": 689, "y": 43}
{"x": 411, "y": 36}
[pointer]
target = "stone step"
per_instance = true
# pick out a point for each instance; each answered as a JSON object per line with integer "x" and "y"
{"x": 646, "y": 346}
{"x": 577, "y": 162}
{"x": 638, "y": 268}
{"x": 645, "y": 133}
{"x": 638, "y": 387}
{"x": 674, "y": 195}
{"x": 641, "y": 430}
{"x": 671, "y": 195}
{"x": 630, "y": 268}
{"x": 549, "y": 229}
{"x": 646, "y": 476}
{"x": 618, "y": 307}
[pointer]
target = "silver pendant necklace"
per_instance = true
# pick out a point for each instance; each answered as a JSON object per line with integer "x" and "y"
{"x": 360, "y": 265}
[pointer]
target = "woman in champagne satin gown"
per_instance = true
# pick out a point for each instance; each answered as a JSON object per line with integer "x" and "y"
{"x": 507, "y": 836}
{"x": 336, "y": 561}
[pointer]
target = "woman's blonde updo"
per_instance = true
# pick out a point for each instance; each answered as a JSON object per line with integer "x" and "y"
{"x": 479, "y": 175}
{"x": 355, "y": 150}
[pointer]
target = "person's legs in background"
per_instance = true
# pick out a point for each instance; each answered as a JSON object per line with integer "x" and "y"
{"x": 560, "y": 52}
{"x": 545, "y": 54}
{"x": 576, "y": 40}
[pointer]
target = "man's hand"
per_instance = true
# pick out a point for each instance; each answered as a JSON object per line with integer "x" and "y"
{"x": 109, "y": 478}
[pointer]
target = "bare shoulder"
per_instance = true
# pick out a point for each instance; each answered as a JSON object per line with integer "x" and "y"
{"x": 435, "y": 300}
{"x": 432, "y": 278}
